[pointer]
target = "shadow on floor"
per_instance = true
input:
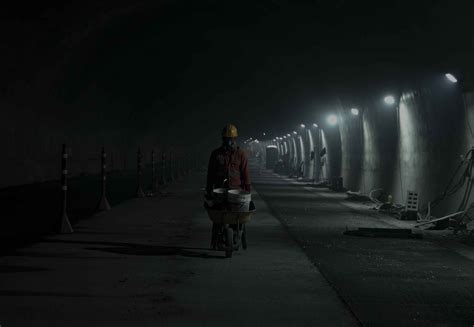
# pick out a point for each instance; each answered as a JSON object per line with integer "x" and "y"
{"x": 139, "y": 249}
{"x": 5, "y": 269}
{"x": 150, "y": 250}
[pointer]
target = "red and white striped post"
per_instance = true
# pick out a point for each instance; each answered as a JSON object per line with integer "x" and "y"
{"x": 171, "y": 167}
{"x": 176, "y": 166}
{"x": 140, "y": 193}
{"x": 103, "y": 203}
{"x": 153, "y": 172}
{"x": 184, "y": 167}
{"x": 163, "y": 169}
{"x": 188, "y": 164}
{"x": 64, "y": 225}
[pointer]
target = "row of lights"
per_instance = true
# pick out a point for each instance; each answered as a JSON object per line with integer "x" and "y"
{"x": 332, "y": 118}
{"x": 389, "y": 100}
{"x": 303, "y": 126}
{"x": 252, "y": 140}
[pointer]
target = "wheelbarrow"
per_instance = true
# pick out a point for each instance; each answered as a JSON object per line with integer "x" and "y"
{"x": 228, "y": 231}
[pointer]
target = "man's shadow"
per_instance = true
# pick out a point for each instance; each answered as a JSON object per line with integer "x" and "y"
{"x": 143, "y": 249}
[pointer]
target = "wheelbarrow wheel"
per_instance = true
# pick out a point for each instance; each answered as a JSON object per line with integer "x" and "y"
{"x": 215, "y": 236}
{"x": 244, "y": 238}
{"x": 229, "y": 238}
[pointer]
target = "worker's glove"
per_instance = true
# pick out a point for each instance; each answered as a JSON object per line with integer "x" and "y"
{"x": 247, "y": 188}
{"x": 209, "y": 202}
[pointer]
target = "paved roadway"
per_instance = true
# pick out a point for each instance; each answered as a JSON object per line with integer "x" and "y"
{"x": 147, "y": 263}
{"x": 384, "y": 281}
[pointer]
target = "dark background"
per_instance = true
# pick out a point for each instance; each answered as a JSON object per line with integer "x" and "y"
{"x": 184, "y": 68}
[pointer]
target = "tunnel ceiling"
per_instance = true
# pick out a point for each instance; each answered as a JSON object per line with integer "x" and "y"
{"x": 187, "y": 65}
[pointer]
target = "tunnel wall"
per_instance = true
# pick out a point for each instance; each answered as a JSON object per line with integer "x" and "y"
{"x": 368, "y": 146}
{"x": 414, "y": 146}
{"x": 331, "y": 140}
{"x": 309, "y": 164}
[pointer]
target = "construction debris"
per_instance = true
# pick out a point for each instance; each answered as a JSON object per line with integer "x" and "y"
{"x": 384, "y": 232}
{"x": 357, "y": 196}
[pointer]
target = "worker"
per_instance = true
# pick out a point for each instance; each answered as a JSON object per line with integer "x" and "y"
{"x": 228, "y": 168}
{"x": 228, "y": 164}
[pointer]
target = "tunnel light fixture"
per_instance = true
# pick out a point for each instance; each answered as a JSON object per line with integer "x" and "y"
{"x": 332, "y": 120}
{"x": 284, "y": 136}
{"x": 389, "y": 99}
{"x": 264, "y": 134}
{"x": 355, "y": 111}
{"x": 451, "y": 78}
{"x": 288, "y": 135}
{"x": 302, "y": 125}
{"x": 294, "y": 132}
{"x": 315, "y": 125}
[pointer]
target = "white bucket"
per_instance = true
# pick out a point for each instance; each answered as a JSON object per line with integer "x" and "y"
{"x": 219, "y": 194}
{"x": 239, "y": 200}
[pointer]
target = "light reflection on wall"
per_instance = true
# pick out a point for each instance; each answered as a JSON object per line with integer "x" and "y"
{"x": 310, "y": 170}
{"x": 294, "y": 151}
{"x": 302, "y": 156}
{"x": 407, "y": 174}
{"x": 325, "y": 170}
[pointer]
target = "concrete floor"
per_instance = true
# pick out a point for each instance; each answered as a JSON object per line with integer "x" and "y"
{"x": 384, "y": 281}
{"x": 147, "y": 263}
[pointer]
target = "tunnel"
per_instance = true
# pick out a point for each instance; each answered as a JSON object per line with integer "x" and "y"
{"x": 144, "y": 140}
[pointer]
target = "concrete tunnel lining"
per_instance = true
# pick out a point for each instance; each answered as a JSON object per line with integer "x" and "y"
{"x": 409, "y": 146}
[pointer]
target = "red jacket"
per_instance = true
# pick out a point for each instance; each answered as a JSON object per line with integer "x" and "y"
{"x": 231, "y": 165}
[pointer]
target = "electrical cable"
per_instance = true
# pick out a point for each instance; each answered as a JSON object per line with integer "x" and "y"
{"x": 467, "y": 192}
{"x": 452, "y": 189}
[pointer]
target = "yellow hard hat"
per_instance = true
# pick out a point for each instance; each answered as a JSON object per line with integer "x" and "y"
{"x": 229, "y": 131}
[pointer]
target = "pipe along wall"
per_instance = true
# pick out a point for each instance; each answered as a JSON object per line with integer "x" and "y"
{"x": 413, "y": 145}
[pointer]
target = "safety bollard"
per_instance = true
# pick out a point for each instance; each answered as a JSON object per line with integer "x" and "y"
{"x": 176, "y": 167}
{"x": 188, "y": 164}
{"x": 153, "y": 172}
{"x": 185, "y": 172}
{"x": 163, "y": 169}
{"x": 64, "y": 224}
{"x": 170, "y": 167}
{"x": 185, "y": 166}
{"x": 140, "y": 193}
{"x": 103, "y": 203}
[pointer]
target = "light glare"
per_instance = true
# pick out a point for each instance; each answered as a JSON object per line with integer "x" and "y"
{"x": 451, "y": 78}
{"x": 355, "y": 111}
{"x": 303, "y": 125}
{"x": 315, "y": 125}
{"x": 332, "y": 120}
{"x": 389, "y": 99}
